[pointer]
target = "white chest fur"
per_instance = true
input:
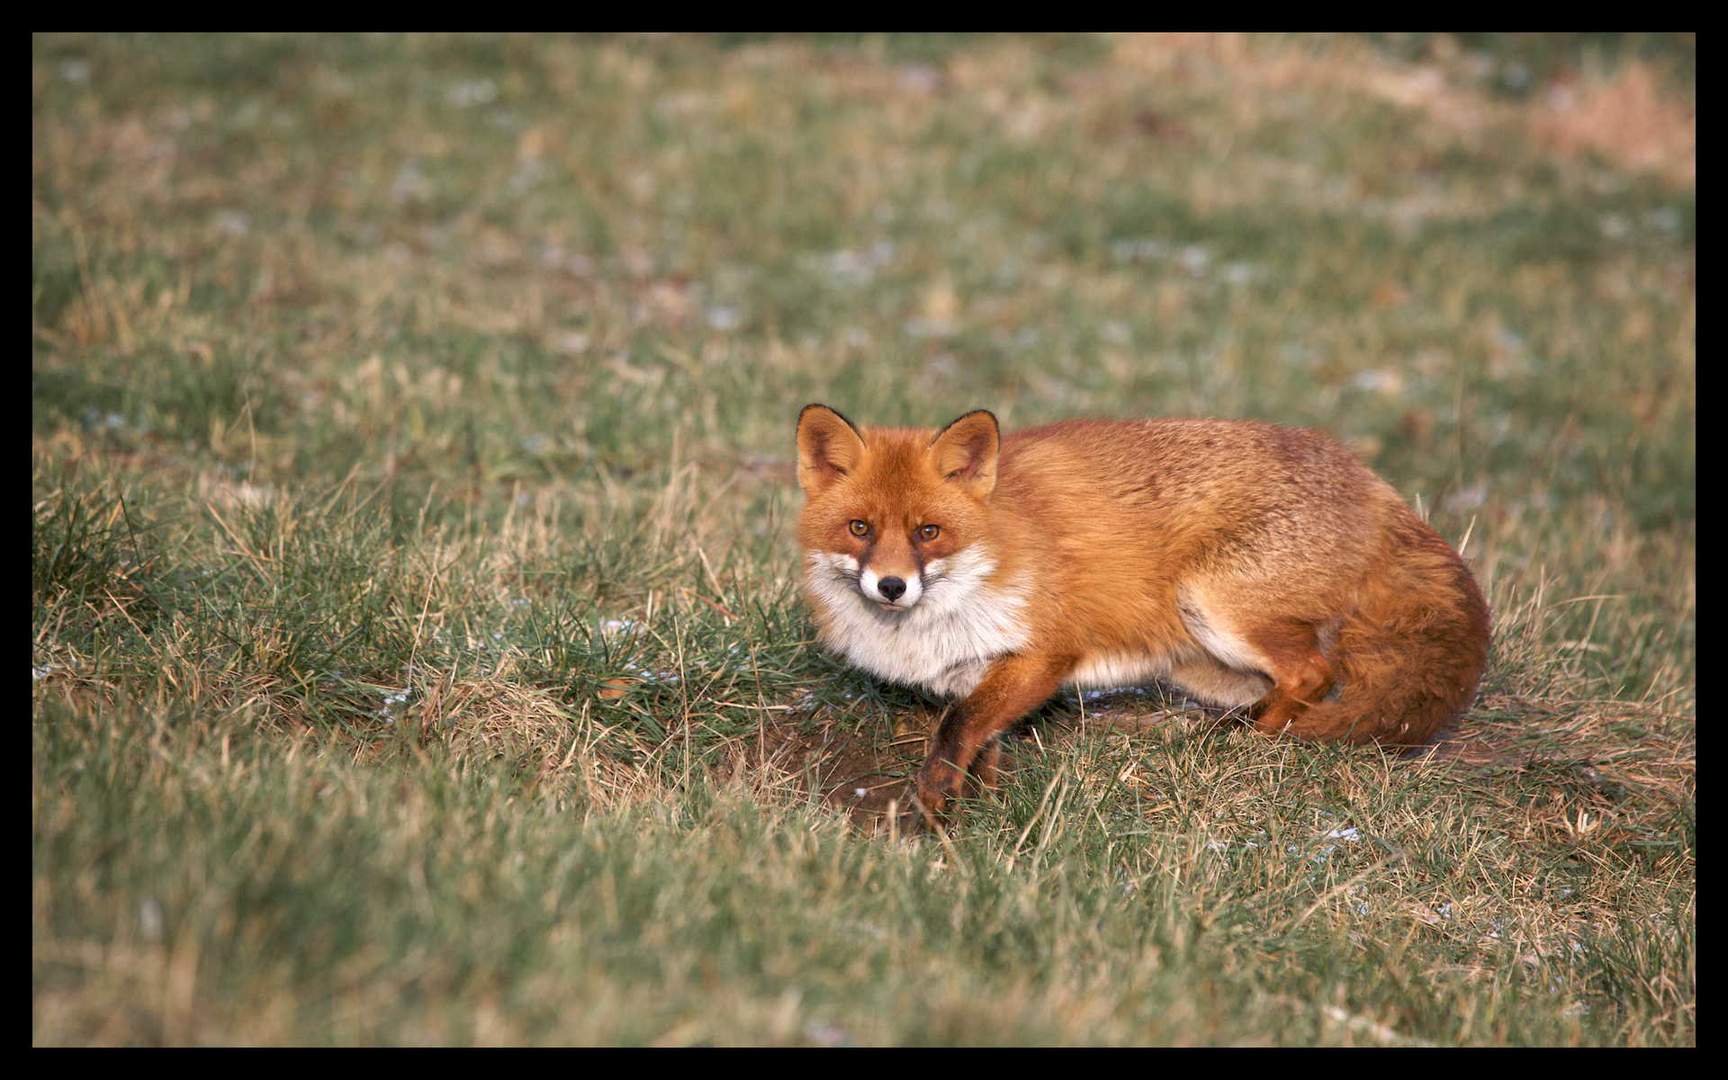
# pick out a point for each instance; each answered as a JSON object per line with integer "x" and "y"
{"x": 943, "y": 644}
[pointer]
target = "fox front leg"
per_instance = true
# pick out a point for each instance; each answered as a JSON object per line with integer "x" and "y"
{"x": 1013, "y": 687}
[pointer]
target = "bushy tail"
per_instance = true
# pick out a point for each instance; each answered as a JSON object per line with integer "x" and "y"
{"x": 1409, "y": 657}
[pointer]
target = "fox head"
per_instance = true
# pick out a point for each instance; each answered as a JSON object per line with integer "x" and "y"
{"x": 886, "y": 508}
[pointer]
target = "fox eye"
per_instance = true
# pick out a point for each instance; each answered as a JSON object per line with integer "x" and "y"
{"x": 928, "y": 533}
{"x": 859, "y": 528}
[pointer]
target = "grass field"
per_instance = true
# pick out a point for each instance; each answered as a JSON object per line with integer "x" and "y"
{"x": 417, "y": 653}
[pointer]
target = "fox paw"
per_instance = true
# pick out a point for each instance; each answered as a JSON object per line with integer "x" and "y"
{"x": 938, "y": 783}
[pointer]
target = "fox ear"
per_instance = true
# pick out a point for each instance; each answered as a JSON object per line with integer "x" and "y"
{"x": 829, "y": 447}
{"x": 965, "y": 452}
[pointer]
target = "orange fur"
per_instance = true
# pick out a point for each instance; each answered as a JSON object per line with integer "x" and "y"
{"x": 1247, "y": 563}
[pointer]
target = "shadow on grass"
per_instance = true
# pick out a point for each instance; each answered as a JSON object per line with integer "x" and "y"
{"x": 1559, "y": 760}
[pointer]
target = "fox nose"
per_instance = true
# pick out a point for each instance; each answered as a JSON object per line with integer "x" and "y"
{"x": 891, "y": 587}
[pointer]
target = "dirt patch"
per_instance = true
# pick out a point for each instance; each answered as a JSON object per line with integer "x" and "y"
{"x": 852, "y": 767}
{"x": 867, "y": 773}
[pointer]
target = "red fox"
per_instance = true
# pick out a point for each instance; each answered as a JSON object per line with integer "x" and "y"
{"x": 1248, "y": 564}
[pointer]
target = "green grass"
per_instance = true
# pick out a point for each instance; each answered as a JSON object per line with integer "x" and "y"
{"x": 417, "y": 651}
